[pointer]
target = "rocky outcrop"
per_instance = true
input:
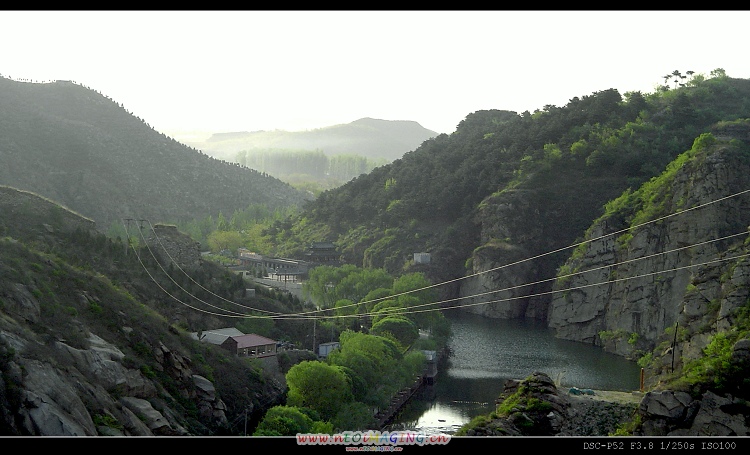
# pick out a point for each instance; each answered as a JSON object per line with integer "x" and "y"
{"x": 479, "y": 292}
{"x": 513, "y": 270}
{"x": 625, "y": 289}
{"x": 659, "y": 278}
{"x": 535, "y": 406}
{"x": 628, "y": 288}
{"x": 210, "y": 406}
{"x": 672, "y": 413}
{"x": 89, "y": 392}
{"x": 81, "y": 354}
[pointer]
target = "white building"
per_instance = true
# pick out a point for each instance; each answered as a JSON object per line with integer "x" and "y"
{"x": 421, "y": 258}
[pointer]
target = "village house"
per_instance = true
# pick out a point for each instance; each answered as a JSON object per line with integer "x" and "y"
{"x": 215, "y": 336}
{"x": 250, "y": 345}
{"x": 238, "y": 343}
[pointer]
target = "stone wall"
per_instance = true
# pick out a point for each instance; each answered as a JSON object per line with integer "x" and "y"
{"x": 171, "y": 245}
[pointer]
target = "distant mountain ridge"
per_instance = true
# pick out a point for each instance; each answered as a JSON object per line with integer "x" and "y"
{"x": 368, "y": 137}
{"x": 83, "y": 150}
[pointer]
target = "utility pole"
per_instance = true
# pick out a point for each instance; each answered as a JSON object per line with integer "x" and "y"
{"x": 674, "y": 343}
{"x": 127, "y": 235}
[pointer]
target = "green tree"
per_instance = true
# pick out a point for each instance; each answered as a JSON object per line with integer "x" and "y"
{"x": 345, "y": 307}
{"x": 360, "y": 281}
{"x": 359, "y": 385}
{"x": 322, "y": 281}
{"x": 327, "y": 284}
{"x": 319, "y": 386}
{"x": 222, "y": 224}
{"x": 375, "y": 359}
{"x": 719, "y": 73}
{"x": 401, "y": 328}
{"x": 224, "y": 240}
{"x": 417, "y": 293}
{"x": 374, "y": 297}
{"x": 386, "y": 308}
{"x": 283, "y": 421}
{"x": 355, "y": 416}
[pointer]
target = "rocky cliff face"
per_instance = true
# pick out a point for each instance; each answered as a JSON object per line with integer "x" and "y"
{"x": 84, "y": 385}
{"x": 90, "y": 392}
{"x": 626, "y": 289}
{"x": 630, "y": 286}
{"x": 510, "y": 210}
{"x": 525, "y": 234}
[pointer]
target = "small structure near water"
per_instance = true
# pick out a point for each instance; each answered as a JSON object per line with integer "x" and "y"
{"x": 428, "y": 377}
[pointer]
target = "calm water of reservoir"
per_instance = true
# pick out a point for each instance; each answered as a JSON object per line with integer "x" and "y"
{"x": 486, "y": 352}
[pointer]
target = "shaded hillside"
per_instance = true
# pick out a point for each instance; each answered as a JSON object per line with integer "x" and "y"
{"x": 371, "y": 138}
{"x": 91, "y": 345}
{"x": 85, "y": 151}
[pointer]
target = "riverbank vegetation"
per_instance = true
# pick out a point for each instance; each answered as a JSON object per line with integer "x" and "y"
{"x": 384, "y": 323}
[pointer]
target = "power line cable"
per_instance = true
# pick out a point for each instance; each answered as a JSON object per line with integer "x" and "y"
{"x": 193, "y": 280}
{"x": 555, "y": 278}
{"x": 177, "y": 299}
{"x": 567, "y": 247}
{"x": 301, "y": 315}
{"x": 186, "y": 291}
{"x": 410, "y": 310}
{"x": 553, "y": 252}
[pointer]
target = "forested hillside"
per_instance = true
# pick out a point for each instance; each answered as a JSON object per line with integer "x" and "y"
{"x": 86, "y": 151}
{"x": 95, "y": 340}
{"x": 549, "y": 173}
{"x": 90, "y": 332}
{"x": 500, "y": 203}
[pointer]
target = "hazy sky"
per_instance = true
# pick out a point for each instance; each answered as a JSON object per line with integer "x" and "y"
{"x": 221, "y": 71}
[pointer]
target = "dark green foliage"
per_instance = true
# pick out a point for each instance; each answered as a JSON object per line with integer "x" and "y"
{"x": 355, "y": 416}
{"x": 284, "y": 421}
{"x": 401, "y": 329}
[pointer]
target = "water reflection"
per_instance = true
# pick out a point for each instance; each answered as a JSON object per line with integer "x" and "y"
{"x": 487, "y": 352}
